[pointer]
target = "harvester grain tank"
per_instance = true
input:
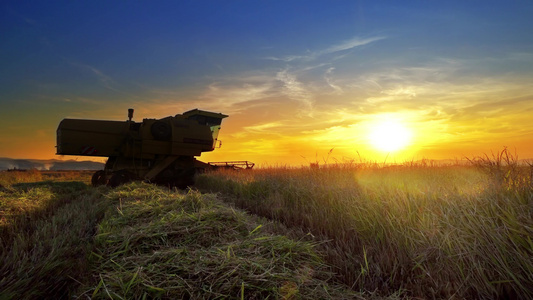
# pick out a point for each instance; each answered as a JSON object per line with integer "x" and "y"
{"x": 155, "y": 150}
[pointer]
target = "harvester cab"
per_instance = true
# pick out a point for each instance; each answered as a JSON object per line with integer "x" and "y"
{"x": 209, "y": 119}
{"x": 155, "y": 150}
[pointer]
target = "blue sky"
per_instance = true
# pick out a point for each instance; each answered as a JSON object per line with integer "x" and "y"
{"x": 303, "y": 76}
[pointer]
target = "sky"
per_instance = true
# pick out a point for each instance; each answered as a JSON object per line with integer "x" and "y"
{"x": 301, "y": 81}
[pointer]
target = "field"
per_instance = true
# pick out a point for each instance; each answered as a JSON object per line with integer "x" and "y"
{"x": 345, "y": 231}
{"x": 61, "y": 238}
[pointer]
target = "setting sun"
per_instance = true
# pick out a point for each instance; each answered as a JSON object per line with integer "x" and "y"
{"x": 389, "y": 136}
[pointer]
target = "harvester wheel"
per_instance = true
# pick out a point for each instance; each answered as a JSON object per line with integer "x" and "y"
{"x": 119, "y": 178}
{"x": 99, "y": 178}
{"x": 161, "y": 130}
{"x": 184, "y": 183}
{"x": 185, "y": 179}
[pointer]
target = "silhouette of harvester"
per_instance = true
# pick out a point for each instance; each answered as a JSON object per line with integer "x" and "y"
{"x": 155, "y": 150}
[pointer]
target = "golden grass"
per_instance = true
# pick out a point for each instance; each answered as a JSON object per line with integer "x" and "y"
{"x": 416, "y": 231}
{"x": 425, "y": 231}
{"x": 8, "y": 178}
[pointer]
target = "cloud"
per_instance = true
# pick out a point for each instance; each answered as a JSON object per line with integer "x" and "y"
{"x": 106, "y": 80}
{"x": 342, "y": 46}
{"x": 265, "y": 127}
{"x": 329, "y": 80}
{"x": 295, "y": 89}
{"x": 521, "y": 57}
{"x": 257, "y": 88}
{"x": 350, "y": 44}
{"x": 228, "y": 94}
{"x": 286, "y": 58}
{"x": 232, "y": 97}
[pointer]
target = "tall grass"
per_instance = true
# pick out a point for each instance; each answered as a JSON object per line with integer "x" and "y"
{"x": 505, "y": 170}
{"x": 8, "y": 178}
{"x": 427, "y": 231}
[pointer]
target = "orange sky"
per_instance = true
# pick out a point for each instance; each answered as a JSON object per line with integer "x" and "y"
{"x": 446, "y": 121}
{"x": 449, "y": 121}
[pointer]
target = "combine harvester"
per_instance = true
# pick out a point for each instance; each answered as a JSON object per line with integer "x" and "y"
{"x": 161, "y": 151}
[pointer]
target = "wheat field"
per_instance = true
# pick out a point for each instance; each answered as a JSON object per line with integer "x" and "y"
{"x": 341, "y": 231}
{"x": 432, "y": 232}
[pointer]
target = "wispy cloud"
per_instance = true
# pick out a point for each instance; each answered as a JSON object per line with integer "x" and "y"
{"x": 110, "y": 83}
{"x": 342, "y": 46}
{"x": 294, "y": 89}
{"x": 350, "y": 44}
{"x": 232, "y": 97}
{"x": 265, "y": 127}
{"x": 106, "y": 80}
{"x": 287, "y": 58}
{"x": 290, "y": 83}
{"x": 328, "y": 76}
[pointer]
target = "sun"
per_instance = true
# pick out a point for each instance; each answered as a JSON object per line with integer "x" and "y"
{"x": 389, "y": 135}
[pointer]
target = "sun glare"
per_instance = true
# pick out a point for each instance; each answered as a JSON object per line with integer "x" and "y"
{"x": 389, "y": 135}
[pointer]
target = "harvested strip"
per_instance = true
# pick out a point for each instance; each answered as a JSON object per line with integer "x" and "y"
{"x": 161, "y": 244}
